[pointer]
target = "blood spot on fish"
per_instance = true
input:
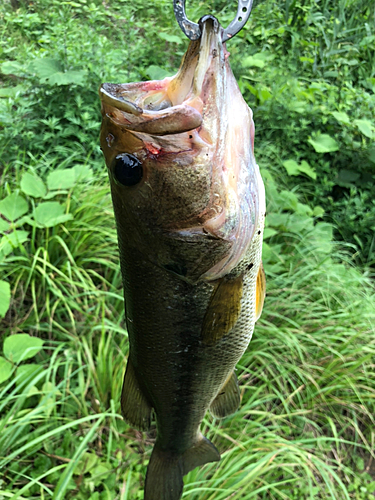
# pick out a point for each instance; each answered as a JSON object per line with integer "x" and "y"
{"x": 151, "y": 148}
{"x": 110, "y": 138}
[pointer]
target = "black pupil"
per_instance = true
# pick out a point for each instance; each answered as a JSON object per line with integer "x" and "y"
{"x": 128, "y": 170}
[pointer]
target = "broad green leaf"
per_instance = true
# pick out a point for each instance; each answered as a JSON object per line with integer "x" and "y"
{"x": 11, "y": 241}
{"x": 266, "y": 253}
{"x": 318, "y": 211}
{"x": 365, "y": 127}
{"x": 50, "y": 213}
{"x": 348, "y": 176}
{"x": 51, "y": 71}
{"x": 4, "y": 225}
{"x": 46, "y": 67}
{"x": 77, "y": 77}
{"x": 12, "y": 68}
{"x": 268, "y": 232}
{"x": 252, "y": 61}
{"x": 33, "y": 185}
{"x": 306, "y": 59}
{"x": 52, "y": 194}
{"x": 303, "y": 209}
{"x": 292, "y": 167}
{"x": 61, "y": 179}
{"x": 11, "y": 91}
{"x": 26, "y": 373}
{"x": 21, "y": 346}
{"x": 170, "y": 38}
{"x": 82, "y": 172}
{"x": 5, "y": 369}
{"x": 257, "y": 60}
{"x": 157, "y": 73}
{"x": 288, "y": 200}
{"x": 341, "y": 117}
{"x": 4, "y": 297}
{"x": 324, "y": 143}
{"x": 13, "y": 206}
{"x": 87, "y": 462}
{"x": 305, "y": 168}
{"x": 264, "y": 95}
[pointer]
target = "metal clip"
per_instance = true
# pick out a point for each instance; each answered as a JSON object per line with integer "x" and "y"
{"x": 193, "y": 31}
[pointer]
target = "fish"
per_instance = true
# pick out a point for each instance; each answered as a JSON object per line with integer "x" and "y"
{"x": 189, "y": 205}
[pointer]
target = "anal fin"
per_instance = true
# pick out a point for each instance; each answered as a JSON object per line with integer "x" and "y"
{"x": 135, "y": 408}
{"x": 228, "y": 400}
{"x": 201, "y": 453}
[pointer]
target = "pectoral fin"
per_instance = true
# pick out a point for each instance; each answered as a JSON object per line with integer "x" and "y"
{"x": 223, "y": 310}
{"x": 134, "y": 406}
{"x": 228, "y": 400}
{"x": 260, "y": 292}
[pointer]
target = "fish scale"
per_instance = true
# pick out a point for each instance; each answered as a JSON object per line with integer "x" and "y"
{"x": 189, "y": 209}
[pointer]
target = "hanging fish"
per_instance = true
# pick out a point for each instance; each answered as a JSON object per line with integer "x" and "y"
{"x": 189, "y": 204}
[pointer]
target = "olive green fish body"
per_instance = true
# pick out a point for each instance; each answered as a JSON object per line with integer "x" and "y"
{"x": 189, "y": 206}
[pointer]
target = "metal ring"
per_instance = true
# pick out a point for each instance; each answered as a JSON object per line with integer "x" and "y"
{"x": 193, "y": 31}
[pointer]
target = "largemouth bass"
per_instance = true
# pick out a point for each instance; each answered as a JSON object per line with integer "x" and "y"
{"x": 189, "y": 204}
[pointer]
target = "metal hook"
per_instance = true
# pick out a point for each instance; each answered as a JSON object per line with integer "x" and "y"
{"x": 193, "y": 31}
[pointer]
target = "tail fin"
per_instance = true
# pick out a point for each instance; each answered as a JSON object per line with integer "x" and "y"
{"x": 166, "y": 470}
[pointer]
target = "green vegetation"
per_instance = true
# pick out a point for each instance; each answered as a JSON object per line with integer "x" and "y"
{"x": 305, "y": 429}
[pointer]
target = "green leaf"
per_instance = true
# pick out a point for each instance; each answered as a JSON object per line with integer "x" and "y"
{"x": 50, "y": 213}
{"x": 156, "y": 73}
{"x": 306, "y": 169}
{"x": 170, "y": 38}
{"x": 11, "y": 91}
{"x": 5, "y": 369}
{"x": 318, "y": 211}
{"x": 51, "y": 71}
{"x": 26, "y": 373}
{"x": 11, "y": 241}
{"x": 252, "y": 61}
{"x": 324, "y": 143}
{"x": 264, "y": 95}
{"x": 21, "y": 346}
{"x": 348, "y": 176}
{"x": 4, "y": 297}
{"x": 82, "y": 172}
{"x": 12, "y": 68}
{"x": 268, "y": 232}
{"x": 365, "y": 127}
{"x": 4, "y": 226}
{"x": 257, "y": 60}
{"x": 291, "y": 166}
{"x": 33, "y": 185}
{"x": 13, "y": 206}
{"x": 341, "y": 117}
{"x": 288, "y": 200}
{"x": 87, "y": 462}
{"x": 52, "y": 194}
{"x": 61, "y": 179}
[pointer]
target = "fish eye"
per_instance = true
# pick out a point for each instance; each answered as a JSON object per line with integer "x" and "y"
{"x": 127, "y": 169}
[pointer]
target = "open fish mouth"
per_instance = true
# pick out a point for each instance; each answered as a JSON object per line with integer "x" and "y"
{"x": 198, "y": 112}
